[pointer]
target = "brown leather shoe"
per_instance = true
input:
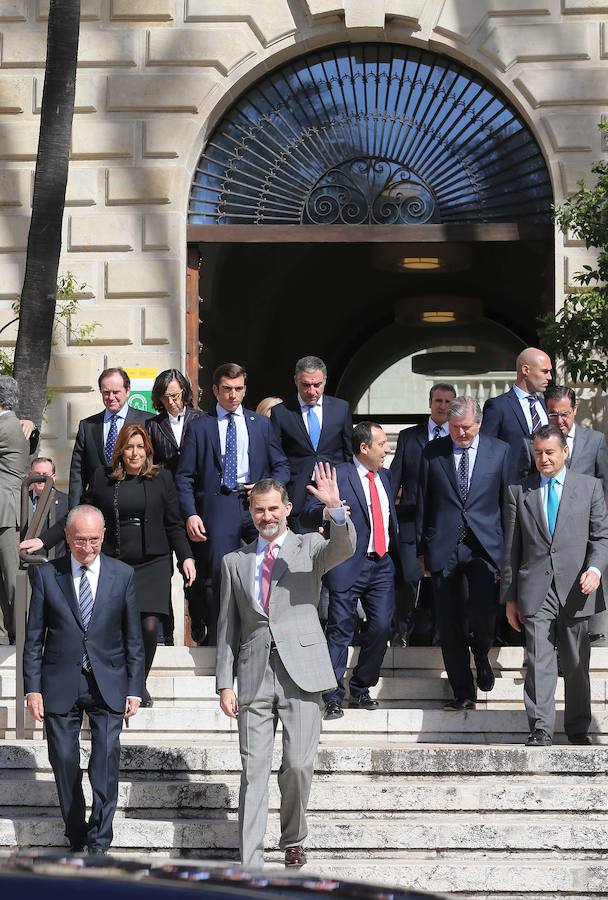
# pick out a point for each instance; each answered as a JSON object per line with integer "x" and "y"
{"x": 295, "y": 857}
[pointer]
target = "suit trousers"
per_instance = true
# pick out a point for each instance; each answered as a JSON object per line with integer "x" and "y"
{"x": 62, "y": 732}
{"x": 375, "y": 587}
{"x": 549, "y": 632}
{"x": 278, "y": 699}
{"x": 9, "y": 565}
{"x": 466, "y": 598}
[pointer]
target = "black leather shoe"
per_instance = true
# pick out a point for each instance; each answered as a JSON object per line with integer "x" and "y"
{"x": 333, "y": 710}
{"x": 98, "y": 851}
{"x": 76, "y": 847}
{"x": 363, "y": 701}
{"x": 485, "y": 674}
{"x": 295, "y": 857}
{"x": 458, "y": 705}
{"x": 539, "y": 738}
{"x": 582, "y": 739}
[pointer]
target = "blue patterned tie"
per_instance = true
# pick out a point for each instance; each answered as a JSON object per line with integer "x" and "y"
{"x": 111, "y": 439}
{"x": 85, "y": 602}
{"x": 552, "y": 505}
{"x": 532, "y": 400}
{"x": 314, "y": 426}
{"x": 463, "y": 474}
{"x": 230, "y": 460}
{"x": 436, "y": 432}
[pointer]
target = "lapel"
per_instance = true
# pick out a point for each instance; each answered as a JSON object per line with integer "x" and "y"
{"x": 578, "y": 446}
{"x": 287, "y": 554}
{"x": 355, "y": 481}
{"x": 483, "y": 450}
{"x": 64, "y": 579}
{"x": 519, "y": 413}
{"x": 447, "y": 461}
{"x": 165, "y": 426}
{"x": 104, "y": 589}
{"x": 249, "y": 417}
{"x": 246, "y": 570}
{"x": 97, "y": 429}
{"x": 421, "y": 433}
{"x": 327, "y": 419}
{"x": 299, "y": 420}
{"x": 212, "y": 426}
{"x": 533, "y": 500}
{"x": 566, "y": 503}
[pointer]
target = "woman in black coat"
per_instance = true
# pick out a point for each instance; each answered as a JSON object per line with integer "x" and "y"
{"x": 172, "y": 399}
{"x": 143, "y": 527}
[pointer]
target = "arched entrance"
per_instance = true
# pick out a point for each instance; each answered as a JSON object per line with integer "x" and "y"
{"x": 344, "y": 191}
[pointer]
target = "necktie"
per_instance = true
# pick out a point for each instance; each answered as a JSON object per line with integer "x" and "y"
{"x": 314, "y": 426}
{"x": 436, "y": 432}
{"x": 463, "y": 474}
{"x": 377, "y": 520}
{"x": 267, "y": 566}
{"x": 552, "y": 505}
{"x": 230, "y": 455}
{"x": 85, "y": 602}
{"x": 532, "y": 400}
{"x": 111, "y": 439}
{"x": 35, "y": 502}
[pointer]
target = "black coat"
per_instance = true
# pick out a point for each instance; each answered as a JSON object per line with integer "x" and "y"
{"x": 163, "y": 527}
{"x": 89, "y": 454}
{"x": 166, "y": 451}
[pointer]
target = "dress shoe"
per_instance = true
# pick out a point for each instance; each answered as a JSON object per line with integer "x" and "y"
{"x": 458, "y": 705}
{"x": 485, "y": 674}
{"x": 400, "y": 640}
{"x": 539, "y": 738}
{"x": 582, "y": 739}
{"x": 295, "y": 857}
{"x": 146, "y": 700}
{"x": 333, "y": 710}
{"x": 98, "y": 851}
{"x": 363, "y": 701}
{"x": 76, "y": 847}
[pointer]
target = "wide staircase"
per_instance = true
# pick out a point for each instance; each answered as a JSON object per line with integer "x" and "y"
{"x": 407, "y": 794}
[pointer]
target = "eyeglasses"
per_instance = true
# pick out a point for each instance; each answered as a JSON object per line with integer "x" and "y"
{"x": 87, "y": 542}
{"x": 561, "y": 415}
{"x": 172, "y": 397}
{"x": 117, "y": 393}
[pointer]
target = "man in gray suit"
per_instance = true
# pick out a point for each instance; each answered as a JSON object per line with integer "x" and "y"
{"x": 556, "y": 548}
{"x": 269, "y": 635}
{"x": 14, "y": 463}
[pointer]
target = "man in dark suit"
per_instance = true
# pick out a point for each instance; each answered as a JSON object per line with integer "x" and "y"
{"x": 223, "y": 455}
{"x": 97, "y": 435}
{"x": 556, "y": 550}
{"x": 514, "y": 416}
{"x": 462, "y": 482}
{"x": 312, "y": 427}
{"x": 84, "y": 653}
{"x": 368, "y": 576}
{"x": 52, "y": 536}
{"x": 404, "y": 470}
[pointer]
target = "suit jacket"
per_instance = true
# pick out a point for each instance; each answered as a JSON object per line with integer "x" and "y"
{"x": 199, "y": 474}
{"x": 503, "y": 418}
{"x": 88, "y": 453}
{"x": 14, "y": 463}
{"x": 440, "y": 510}
{"x": 53, "y": 535}
{"x": 55, "y": 638}
{"x": 351, "y": 490}
{"x": 335, "y": 442}
{"x": 163, "y": 527}
{"x": 166, "y": 450}
{"x": 589, "y": 456}
{"x": 245, "y": 631}
{"x": 405, "y": 469}
{"x": 533, "y": 559}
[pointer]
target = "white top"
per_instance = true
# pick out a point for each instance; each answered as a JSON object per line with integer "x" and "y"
{"x": 457, "y": 453}
{"x": 121, "y": 415}
{"x": 443, "y": 433}
{"x": 177, "y": 426}
{"x": 92, "y": 574}
{"x": 242, "y": 440}
{"x": 384, "y": 504}
{"x": 318, "y": 407}
{"x": 525, "y": 405}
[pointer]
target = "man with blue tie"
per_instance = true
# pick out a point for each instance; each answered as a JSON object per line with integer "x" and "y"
{"x": 312, "y": 427}
{"x": 461, "y": 486}
{"x": 520, "y": 412}
{"x": 223, "y": 455}
{"x": 555, "y": 551}
{"x": 369, "y": 575}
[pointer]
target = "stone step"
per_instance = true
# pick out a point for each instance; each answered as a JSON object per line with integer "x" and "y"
{"x": 428, "y": 832}
{"x": 398, "y": 795}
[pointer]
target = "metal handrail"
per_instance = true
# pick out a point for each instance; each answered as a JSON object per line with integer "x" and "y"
{"x": 31, "y": 527}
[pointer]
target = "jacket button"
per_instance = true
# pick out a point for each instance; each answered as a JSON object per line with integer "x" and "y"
{"x": 267, "y": 644}
{"x": 552, "y": 549}
{"x": 85, "y": 637}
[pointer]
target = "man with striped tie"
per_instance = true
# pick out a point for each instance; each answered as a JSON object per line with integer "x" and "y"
{"x": 555, "y": 553}
{"x": 84, "y": 653}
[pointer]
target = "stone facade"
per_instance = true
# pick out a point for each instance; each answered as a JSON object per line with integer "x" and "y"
{"x": 156, "y": 75}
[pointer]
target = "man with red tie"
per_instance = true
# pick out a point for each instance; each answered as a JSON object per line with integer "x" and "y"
{"x": 369, "y": 575}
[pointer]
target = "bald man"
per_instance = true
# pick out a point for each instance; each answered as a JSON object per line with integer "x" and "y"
{"x": 520, "y": 412}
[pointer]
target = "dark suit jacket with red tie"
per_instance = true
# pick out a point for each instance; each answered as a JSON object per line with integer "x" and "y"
{"x": 335, "y": 443}
{"x": 503, "y": 418}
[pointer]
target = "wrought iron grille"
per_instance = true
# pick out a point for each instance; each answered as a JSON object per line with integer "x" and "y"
{"x": 371, "y": 134}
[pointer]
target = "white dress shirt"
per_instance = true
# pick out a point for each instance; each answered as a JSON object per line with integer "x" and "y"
{"x": 457, "y": 453}
{"x": 443, "y": 433}
{"x": 525, "y": 405}
{"x": 318, "y": 408}
{"x": 177, "y": 426}
{"x": 121, "y": 415}
{"x": 384, "y": 504}
{"x": 242, "y": 440}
